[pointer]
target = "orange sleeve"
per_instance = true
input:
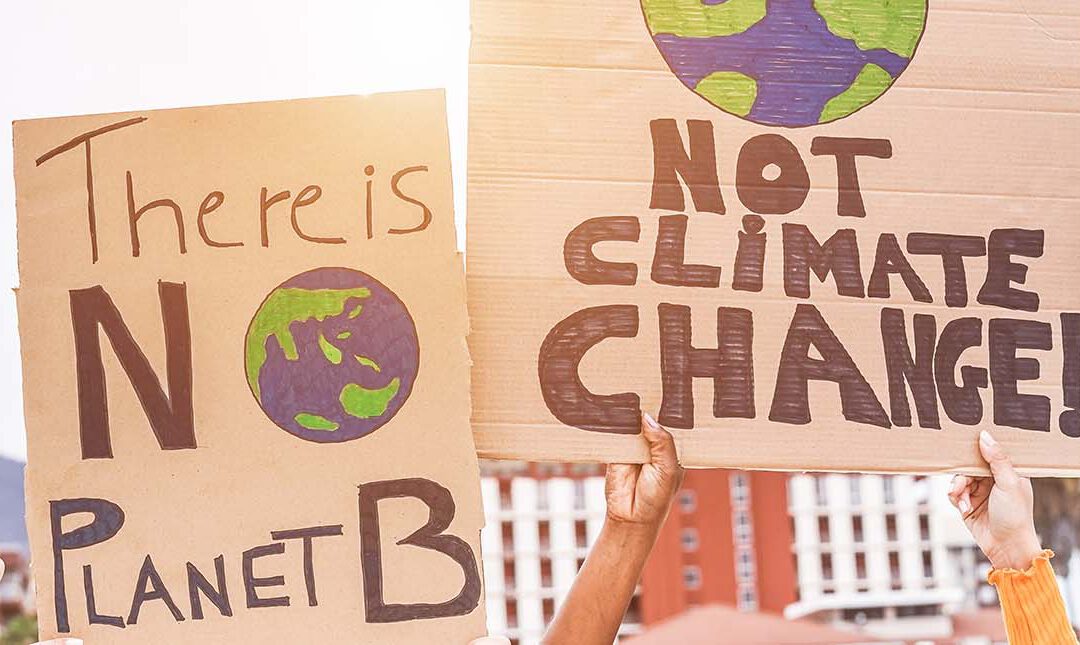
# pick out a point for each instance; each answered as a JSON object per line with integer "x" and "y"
{"x": 1032, "y": 604}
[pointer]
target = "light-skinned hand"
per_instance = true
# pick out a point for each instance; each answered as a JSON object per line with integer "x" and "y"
{"x": 998, "y": 510}
{"x": 491, "y": 640}
{"x": 641, "y": 494}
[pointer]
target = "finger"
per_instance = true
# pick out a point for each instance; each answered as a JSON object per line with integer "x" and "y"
{"x": 1000, "y": 465}
{"x": 958, "y": 484}
{"x": 957, "y": 487}
{"x": 955, "y": 501}
{"x": 622, "y": 476}
{"x": 62, "y": 641}
{"x": 960, "y": 494}
{"x": 979, "y": 489}
{"x": 662, "y": 453}
{"x": 965, "y": 502}
{"x": 491, "y": 640}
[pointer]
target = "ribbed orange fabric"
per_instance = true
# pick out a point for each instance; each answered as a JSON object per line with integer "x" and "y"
{"x": 1032, "y": 604}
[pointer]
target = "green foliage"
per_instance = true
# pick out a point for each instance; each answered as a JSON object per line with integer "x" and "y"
{"x": 1057, "y": 518}
{"x": 20, "y": 630}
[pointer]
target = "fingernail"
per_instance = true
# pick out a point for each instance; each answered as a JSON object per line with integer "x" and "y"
{"x": 651, "y": 422}
{"x": 987, "y": 440}
{"x": 965, "y": 506}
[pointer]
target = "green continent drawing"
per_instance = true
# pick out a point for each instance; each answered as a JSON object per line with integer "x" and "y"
{"x": 697, "y": 19}
{"x": 895, "y": 25}
{"x": 787, "y": 62}
{"x": 331, "y": 355}
{"x": 283, "y": 308}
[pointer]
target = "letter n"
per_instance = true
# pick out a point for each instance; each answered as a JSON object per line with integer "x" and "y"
{"x": 171, "y": 416}
{"x": 696, "y": 167}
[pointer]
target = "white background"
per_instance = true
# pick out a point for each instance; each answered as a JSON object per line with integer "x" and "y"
{"x": 63, "y": 57}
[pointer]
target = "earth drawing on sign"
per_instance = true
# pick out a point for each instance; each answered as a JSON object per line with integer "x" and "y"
{"x": 331, "y": 355}
{"x": 787, "y": 63}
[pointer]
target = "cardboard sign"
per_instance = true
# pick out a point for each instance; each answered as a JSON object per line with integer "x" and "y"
{"x": 246, "y": 377}
{"x": 834, "y": 235}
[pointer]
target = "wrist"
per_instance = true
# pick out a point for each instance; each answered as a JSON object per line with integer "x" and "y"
{"x": 626, "y": 531}
{"x": 1018, "y": 554}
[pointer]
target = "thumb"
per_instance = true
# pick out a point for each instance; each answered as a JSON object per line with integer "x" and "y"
{"x": 1000, "y": 465}
{"x": 662, "y": 453}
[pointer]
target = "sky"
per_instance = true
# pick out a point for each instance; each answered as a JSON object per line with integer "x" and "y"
{"x": 59, "y": 58}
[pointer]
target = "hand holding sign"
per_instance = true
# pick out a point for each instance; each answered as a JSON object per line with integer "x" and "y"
{"x": 998, "y": 510}
{"x": 641, "y": 494}
{"x": 638, "y": 499}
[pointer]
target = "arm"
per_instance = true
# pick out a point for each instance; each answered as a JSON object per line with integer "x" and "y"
{"x": 638, "y": 500}
{"x": 998, "y": 510}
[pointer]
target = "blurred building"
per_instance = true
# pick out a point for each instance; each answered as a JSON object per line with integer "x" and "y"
{"x": 717, "y": 547}
{"x": 886, "y": 556}
{"x": 884, "y": 559}
{"x": 540, "y": 521}
{"x": 727, "y": 541}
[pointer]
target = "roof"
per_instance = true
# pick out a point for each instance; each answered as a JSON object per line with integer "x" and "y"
{"x": 909, "y": 597}
{"x": 722, "y": 624}
{"x": 984, "y": 622}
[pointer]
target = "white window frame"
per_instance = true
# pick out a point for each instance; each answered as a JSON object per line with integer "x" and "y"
{"x": 690, "y": 539}
{"x": 687, "y": 501}
{"x": 692, "y": 577}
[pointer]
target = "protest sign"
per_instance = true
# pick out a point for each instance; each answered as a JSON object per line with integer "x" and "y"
{"x": 836, "y": 235}
{"x": 246, "y": 375}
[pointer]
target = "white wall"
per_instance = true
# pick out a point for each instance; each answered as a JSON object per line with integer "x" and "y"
{"x": 61, "y": 57}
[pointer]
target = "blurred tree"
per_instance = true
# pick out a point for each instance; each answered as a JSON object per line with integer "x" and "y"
{"x": 1057, "y": 518}
{"x": 20, "y": 630}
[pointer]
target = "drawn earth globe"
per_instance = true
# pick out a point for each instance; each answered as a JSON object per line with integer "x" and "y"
{"x": 331, "y": 355}
{"x": 787, "y": 63}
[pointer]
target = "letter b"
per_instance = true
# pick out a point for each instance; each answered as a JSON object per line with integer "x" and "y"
{"x": 430, "y": 536}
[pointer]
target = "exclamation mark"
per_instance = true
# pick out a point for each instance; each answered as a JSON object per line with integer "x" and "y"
{"x": 1070, "y": 374}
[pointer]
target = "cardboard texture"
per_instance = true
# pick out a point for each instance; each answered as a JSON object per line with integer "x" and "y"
{"x": 809, "y": 235}
{"x": 248, "y": 429}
